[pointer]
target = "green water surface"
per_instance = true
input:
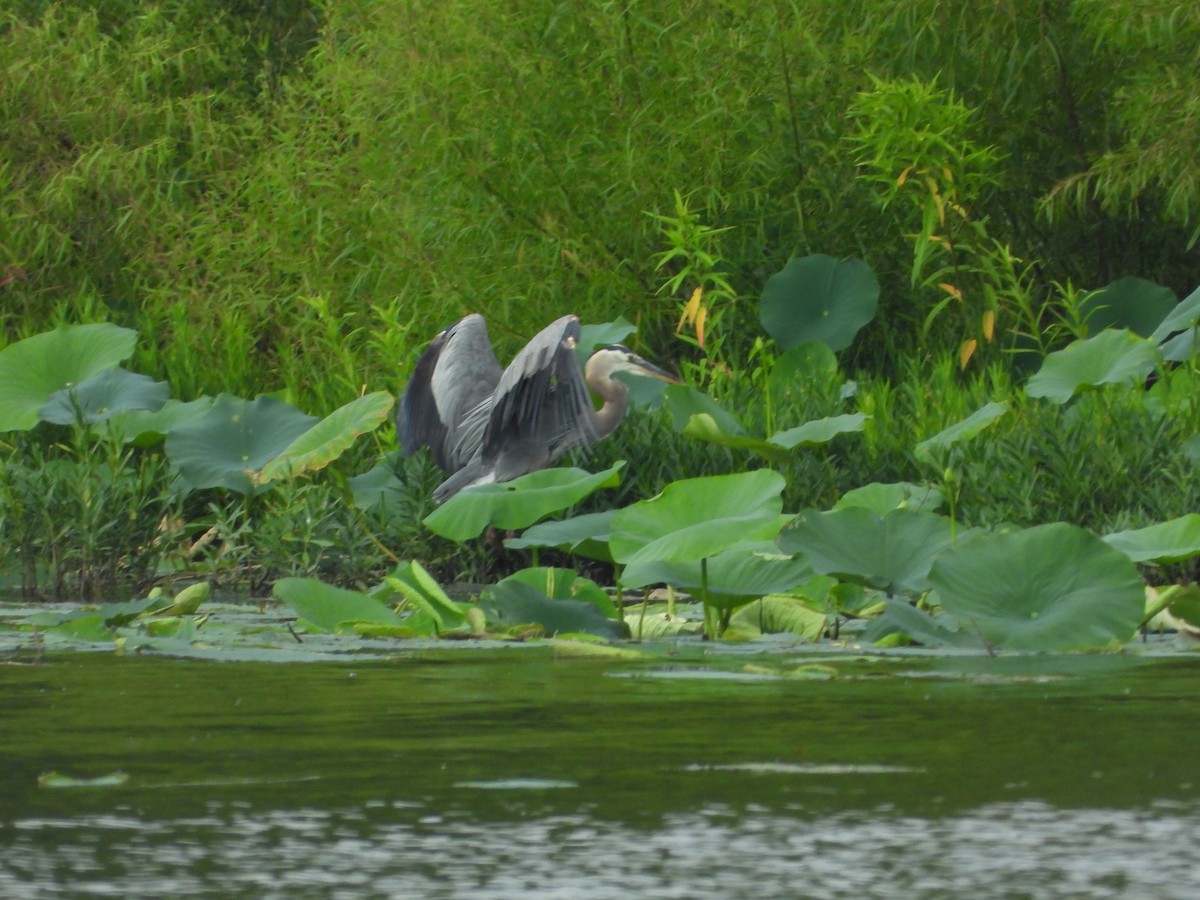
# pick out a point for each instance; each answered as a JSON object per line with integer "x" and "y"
{"x": 509, "y": 772}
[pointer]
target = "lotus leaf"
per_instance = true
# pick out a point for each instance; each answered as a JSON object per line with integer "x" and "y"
{"x": 891, "y": 552}
{"x": 1184, "y": 317}
{"x": 235, "y": 438}
{"x": 516, "y": 504}
{"x": 778, "y": 613}
{"x": 686, "y": 403}
{"x": 514, "y": 603}
{"x": 800, "y": 366}
{"x": 1052, "y": 587}
{"x": 704, "y": 427}
{"x": 1131, "y": 302}
{"x": 102, "y": 396}
{"x": 1111, "y": 357}
{"x": 329, "y": 438}
{"x": 819, "y": 298}
{"x": 1166, "y": 542}
{"x": 698, "y": 517}
{"x": 960, "y": 431}
{"x": 434, "y": 612}
{"x": 144, "y": 428}
{"x": 330, "y": 608}
{"x": 883, "y": 498}
{"x": 736, "y": 575}
{"x": 35, "y": 368}
{"x": 565, "y": 584}
{"x": 819, "y": 431}
{"x": 586, "y": 535}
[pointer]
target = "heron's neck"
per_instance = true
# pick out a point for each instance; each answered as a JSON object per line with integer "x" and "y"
{"x": 616, "y": 402}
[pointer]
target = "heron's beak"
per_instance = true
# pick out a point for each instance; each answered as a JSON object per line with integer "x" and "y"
{"x": 652, "y": 371}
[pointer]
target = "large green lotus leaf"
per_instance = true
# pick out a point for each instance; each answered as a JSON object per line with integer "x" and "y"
{"x": 102, "y": 396}
{"x": 515, "y": 603}
{"x": 565, "y": 584}
{"x": 517, "y": 504}
{"x": 434, "y": 611}
{"x": 798, "y": 368}
{"x": 235, "y": 438}
{"x": 586, "y": 535}
{"x": 780, "y": 614}
{"x": 703, "y": 427}
{"x": 819, "y": 298}
{"x": 697, "y": 517}
{"x": 1131, "y": 302}
{"x": 145, "y": 428}
{"x": 891, "y": 552}
{"x": 1166, "y": 542}
{"x": 900, "y": 616}
{"x": 1184, "y": 317}
{"x": 686, "y": 403}
{"x": 819, "y": 431}
{"x": 1052, "y": 587}
{"x": 33, "y": 369}
{"x": 593, "y": 336}
{"x": 960, "y": 431}
{"x": 329, "y": 438}
{"x": 883, "y": 498}
{"x": 751, "y": 569}
{"x": 1179, "y": 348}
{"x": 379, "y": 488}
{"x": 330, "y": 608}
{"x": 1111, "y": 357}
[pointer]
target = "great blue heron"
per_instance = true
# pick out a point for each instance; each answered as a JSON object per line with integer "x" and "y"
{"x": 485, "y": 424}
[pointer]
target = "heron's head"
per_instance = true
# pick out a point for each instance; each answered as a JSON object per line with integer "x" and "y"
{"x": 613, "y": 358}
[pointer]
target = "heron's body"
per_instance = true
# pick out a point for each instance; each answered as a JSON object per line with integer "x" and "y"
{"x": 486, "y": 424}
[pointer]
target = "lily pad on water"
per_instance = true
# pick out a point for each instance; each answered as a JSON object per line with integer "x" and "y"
{"x": 1052, "y": 587}
{"x": 512, "y": 602}
{"x": 35, "y": 368}
{"x": 235, "y": 438}
{"x": 434, "y": 612}
{"x": 565, "y": 584}
{"x": 779, "y": 613}
{"x": 104, "y": 395}
{"x": 516, "y": 504}
{"x": 330, "y": 608}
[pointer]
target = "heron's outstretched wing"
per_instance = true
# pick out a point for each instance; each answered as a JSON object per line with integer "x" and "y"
{"x": 445, "y": 404}
{"x": 541, "y": 404}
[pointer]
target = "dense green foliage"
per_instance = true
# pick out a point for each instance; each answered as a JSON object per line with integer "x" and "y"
{"x": 292, "y": 197}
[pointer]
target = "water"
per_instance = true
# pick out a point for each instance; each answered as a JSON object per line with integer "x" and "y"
{"x": 506, "y": 773}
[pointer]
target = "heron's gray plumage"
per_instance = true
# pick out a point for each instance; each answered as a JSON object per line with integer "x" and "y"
{"x": 487, "y": 424}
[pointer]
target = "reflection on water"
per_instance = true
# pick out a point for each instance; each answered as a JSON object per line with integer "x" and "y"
{"x": 1025, "y": 849}
{"x": 511, "y": 774}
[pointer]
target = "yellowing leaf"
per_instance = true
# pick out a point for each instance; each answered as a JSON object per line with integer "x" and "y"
{"x": 903, "y": 176}
{"x": 951, "y": 290}
{"x": 989, "y": 324}
{"x": 966, "y": 352}
{"x": 700, "y": 319}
